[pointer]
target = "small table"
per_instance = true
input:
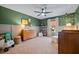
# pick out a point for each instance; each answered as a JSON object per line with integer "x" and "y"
{"x": 17, "y": 39}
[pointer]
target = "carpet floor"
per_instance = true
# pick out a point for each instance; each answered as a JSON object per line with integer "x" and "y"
{"x": 38, "y": 45}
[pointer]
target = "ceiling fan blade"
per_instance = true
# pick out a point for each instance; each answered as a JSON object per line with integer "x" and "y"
{"x": 37, "y": 11}
{"x": 47, "y": 12}
{"x": 39, "y": 14}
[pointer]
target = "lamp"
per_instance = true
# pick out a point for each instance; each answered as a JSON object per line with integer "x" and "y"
{"x": 24, "y": 21}
{"x": 68, "y": 24}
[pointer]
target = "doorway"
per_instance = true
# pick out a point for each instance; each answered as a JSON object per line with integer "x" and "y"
{"x": 52, "y": 27}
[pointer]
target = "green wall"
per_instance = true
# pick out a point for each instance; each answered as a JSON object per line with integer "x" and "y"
{"x": 43, "y": 22}
{"x": 8, "y": 16}
{"x": 77, "y": 15}
{"x": 69, "y": 18}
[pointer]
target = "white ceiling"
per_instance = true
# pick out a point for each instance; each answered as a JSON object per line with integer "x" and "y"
{"x": 56, "y": 9}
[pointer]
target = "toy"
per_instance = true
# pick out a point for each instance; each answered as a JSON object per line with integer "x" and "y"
{"x": 8, "y": 42}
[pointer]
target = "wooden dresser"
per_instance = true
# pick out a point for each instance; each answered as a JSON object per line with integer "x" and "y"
{"x": 68, "y": 42}
{"x": 27, "y": 34}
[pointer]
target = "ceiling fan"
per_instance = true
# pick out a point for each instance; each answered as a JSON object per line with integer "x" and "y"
{"x": 43, "y": 12}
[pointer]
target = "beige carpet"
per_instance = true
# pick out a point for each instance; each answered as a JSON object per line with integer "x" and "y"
{"x": 38, "y": 45}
